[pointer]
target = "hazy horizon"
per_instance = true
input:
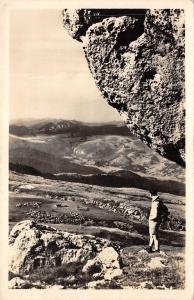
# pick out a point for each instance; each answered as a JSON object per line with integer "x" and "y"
{"x": 49, "y": 75}
{"x": 12, "y": 120}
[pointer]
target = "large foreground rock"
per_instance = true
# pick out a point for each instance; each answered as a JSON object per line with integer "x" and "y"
{"x": 34, "y": 246}
{"x": 137, "y": 61}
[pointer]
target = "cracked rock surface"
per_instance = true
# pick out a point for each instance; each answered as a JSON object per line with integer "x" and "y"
{"x": 137, "y": 60}
{"x": 33, "y": 246}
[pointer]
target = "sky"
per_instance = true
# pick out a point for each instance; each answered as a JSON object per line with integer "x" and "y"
{"x": 49, "y": 75}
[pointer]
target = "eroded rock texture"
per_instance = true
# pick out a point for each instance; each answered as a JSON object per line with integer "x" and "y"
{"x": 137, "y": 60}
{"x": 33, "y": 246}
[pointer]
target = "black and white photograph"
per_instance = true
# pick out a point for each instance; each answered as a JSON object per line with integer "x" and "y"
{"x": 97, "y": 167}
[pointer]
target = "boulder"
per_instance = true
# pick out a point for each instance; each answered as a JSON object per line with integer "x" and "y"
{"x": 33, "y": 246}
{"x": 137, "y": 59}
{"x": 104, "y": 265}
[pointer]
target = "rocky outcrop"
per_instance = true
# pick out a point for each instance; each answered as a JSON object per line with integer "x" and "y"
{"x": 42, "y": 257}
{"x": 77, "y": 21}
{"x": 106, "y": 263}
{"x": 34, "y": 246}
{"x": 137, "y": 61}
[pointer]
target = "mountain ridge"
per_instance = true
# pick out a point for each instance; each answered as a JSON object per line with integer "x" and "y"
{"x": 103, "y": 154}
{"x": 57, "y": 126}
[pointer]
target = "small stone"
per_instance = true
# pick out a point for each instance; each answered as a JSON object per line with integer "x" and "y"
{"x": 146, "y": 285}
{"x": 56, "y": 287}
{"x": 156, "y": 262}
{"x": 18, "y": 283}
{"x": 93, "y": 284}
{"x": 143, "y": 251}
{"x": 70, "y": 279}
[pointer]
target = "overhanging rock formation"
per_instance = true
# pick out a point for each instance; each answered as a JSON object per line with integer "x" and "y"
{"x": 137, "y": 60}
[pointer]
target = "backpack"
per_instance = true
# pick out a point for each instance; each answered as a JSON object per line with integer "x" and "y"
{"x": 163, "y": 212}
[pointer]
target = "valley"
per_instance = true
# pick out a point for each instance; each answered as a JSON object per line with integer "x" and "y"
{"x": 98, "y": 186}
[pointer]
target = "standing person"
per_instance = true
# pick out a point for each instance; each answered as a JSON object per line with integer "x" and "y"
{"x": 158, "y": 214}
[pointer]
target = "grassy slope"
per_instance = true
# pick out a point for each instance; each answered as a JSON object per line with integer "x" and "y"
{"x": 100, "y": 200}
{"x": 131, "y": 238}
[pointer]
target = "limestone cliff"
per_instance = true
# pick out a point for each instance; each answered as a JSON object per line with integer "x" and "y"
{"x": 137, "y": 60}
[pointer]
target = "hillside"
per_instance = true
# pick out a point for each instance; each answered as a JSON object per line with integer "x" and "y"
{"x": 46, "y": 163}
{"x": 88, "y": 153}
{"x": 88, "y": 179}
{"x": 76, "y": 211}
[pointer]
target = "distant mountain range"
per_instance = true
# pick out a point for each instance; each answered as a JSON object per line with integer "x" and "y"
{"x": 104, "y": 154}
{"x": 58, "y": 126}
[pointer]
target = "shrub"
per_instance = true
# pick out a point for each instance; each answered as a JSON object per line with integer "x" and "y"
{"x": 50, "y": 275}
